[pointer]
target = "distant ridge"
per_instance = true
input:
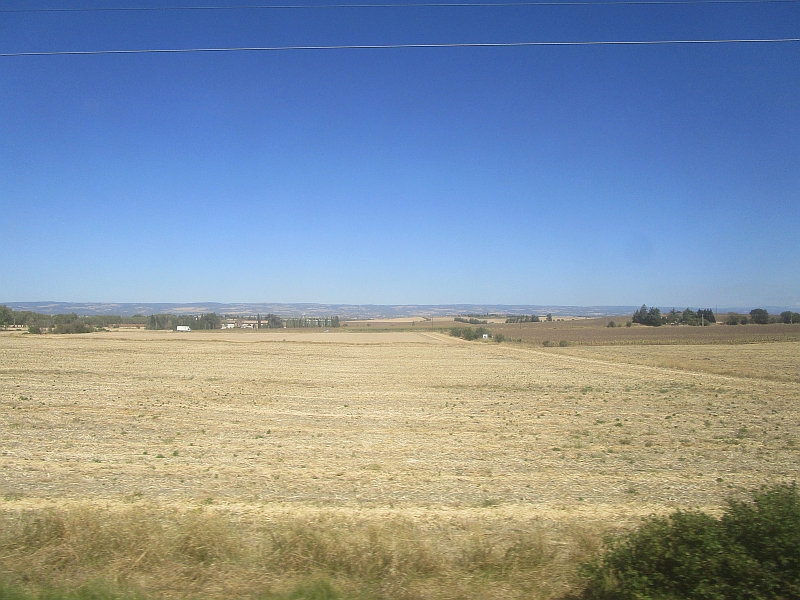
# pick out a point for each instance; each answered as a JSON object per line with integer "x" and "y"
{"x": 347, "y": 311}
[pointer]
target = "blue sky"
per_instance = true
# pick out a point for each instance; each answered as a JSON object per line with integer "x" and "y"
{"x": 586, "y": 175}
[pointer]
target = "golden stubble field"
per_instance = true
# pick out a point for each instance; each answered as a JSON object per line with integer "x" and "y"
{"x": 455, "y": 440}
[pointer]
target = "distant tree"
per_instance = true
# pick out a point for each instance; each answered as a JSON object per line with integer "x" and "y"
{"x": 6, "y": 316}
{"x": 689, "y": 317}
{"x": 549, "y": 316}
{"x": 733, "y": 319}
{"x": 743, "y": 320}
{"x": 705, "y": 316}
{"x": 207, "y": 321}
{"x": 788, "y": 316}
{"x": 648, "y": 316}
{"x": 274, "y": 321}
{"x": 611, "y": 324}
{"x": 759, "y": 316}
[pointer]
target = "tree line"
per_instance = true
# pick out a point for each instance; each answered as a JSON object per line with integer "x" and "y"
{"x": 469, "y": 334}
{"x": 74, "y": 323}
{"x": 652, "y": 316}
{"x": 61, "y": 323}
{"x": 705, "y": 316}
{"x": 523, "y": 319}
{"x": 470, "y": 320}
{"x": 304, "y": 322}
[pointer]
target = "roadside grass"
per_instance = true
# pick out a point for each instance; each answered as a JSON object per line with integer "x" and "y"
{"x": 152, "y": 552}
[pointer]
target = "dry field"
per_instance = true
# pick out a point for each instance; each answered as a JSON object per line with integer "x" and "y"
{"x": 398, "y": 465}
{"x": 593, "y": 332}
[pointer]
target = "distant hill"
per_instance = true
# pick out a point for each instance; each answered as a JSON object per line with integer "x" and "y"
{"x": 346, "y": 311}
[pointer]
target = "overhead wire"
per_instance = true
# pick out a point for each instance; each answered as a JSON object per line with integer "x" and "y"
{"x": 398, "y": 46}
{"x": 392, "y": 5}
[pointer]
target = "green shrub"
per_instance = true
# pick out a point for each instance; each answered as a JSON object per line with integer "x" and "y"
{"x": 563, "y": 343}
{"x": 456, "y": 331}
{"x": 469, "y": 334}
{"x": 73, "y": 327}
{"x": 753, "y": 551}
{"x": 34, "y": 329}
{"x": 499, "y": 338}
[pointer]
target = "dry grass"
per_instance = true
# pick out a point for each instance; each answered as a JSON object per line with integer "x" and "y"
{"x": 777, "y": 362}
{"x": 209, "y": 553}
{"x": 396, "y": 464}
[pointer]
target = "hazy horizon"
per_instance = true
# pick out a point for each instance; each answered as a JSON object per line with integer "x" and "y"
{"x": 348, "y": 311}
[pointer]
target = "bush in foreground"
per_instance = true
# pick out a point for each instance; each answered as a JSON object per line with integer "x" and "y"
{"x": 752, "y": 551}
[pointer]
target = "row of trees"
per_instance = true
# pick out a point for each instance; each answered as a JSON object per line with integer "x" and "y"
{"x": 468, "y": 333}
{"x": 703, "y": 316}
{"x": 523, "y": 319}
{"x": 759, "y": 316}
{"x": 167, "y": 321}
{"x": 270, "y": 321}
{"x": 652, "y": 316}
{"x": 304, "y": 322}
{"x": 470, "y": 320}
{"x": 73, "y": 323}
{"x": 62, "y": 323}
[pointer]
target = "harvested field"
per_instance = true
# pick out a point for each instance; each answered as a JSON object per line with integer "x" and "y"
{"x": 361, "y": 441}
{"x": 778, "y": 362}
{"x": 594, "y": 332}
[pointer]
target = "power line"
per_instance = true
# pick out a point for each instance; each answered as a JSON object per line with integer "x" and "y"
{"x": 397, "y": 46}
{"x": 393, "y": 5}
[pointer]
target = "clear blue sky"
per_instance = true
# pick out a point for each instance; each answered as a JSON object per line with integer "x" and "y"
{"x": 664, "y": 174}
